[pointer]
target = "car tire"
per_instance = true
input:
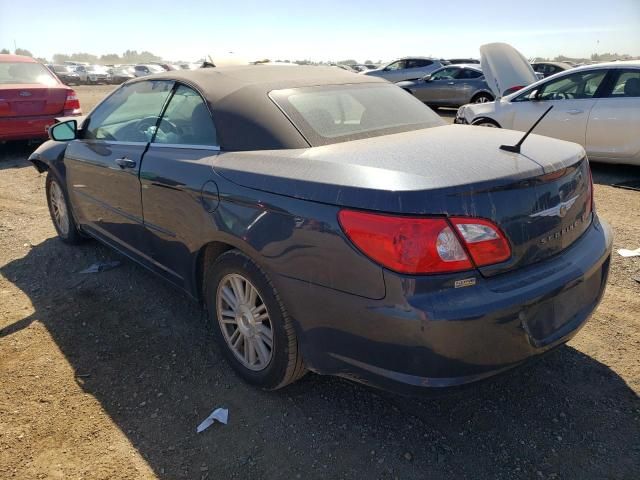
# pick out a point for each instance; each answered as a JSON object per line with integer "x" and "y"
{"x": 482, "y": 98}
{"x": 60, "y": 211}
{"x": 257, "y": 336}
{"x": 486, "y": 122}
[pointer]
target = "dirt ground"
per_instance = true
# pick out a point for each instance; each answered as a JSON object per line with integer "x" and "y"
{"x": 107, "y": 376}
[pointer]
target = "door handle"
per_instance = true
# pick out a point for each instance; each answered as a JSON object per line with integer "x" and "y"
{"x": 125, "y": 162}
{"x": 574, "y": 112}
{"x": 450, "y": 83}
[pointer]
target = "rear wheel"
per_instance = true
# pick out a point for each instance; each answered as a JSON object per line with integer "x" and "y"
{"x": 482, "y": 98}
{"x": 486, "y": 122}
{"x": 250, "y": 323}
{"x": 60, "y": 211}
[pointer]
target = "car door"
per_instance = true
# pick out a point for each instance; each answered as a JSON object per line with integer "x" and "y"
{"x": 394, "y": 72}
{"x": 178, "y": 191}
{"x": 465, "y": 82}
{"x": 102, "y": 165}
{"x": 613, "y": 131}
{"x": 572, "y": 97}
{"x": 417, "y": 68}
{"x": 437, "y": 88}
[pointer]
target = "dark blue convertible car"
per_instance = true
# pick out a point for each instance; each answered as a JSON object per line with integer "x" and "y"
{"x": 331, "y": 222}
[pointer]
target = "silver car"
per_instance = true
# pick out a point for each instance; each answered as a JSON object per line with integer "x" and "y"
{"x": 408, "y": 68}
{"x": 451, "y": 86}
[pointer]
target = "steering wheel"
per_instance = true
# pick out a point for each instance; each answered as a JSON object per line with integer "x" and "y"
{"x": 144, "y": 124}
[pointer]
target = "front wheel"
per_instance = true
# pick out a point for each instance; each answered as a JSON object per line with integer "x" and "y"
{"x": 60, "y": 212}
{"x": 250, "y": 322}
{"x": 482, "y": 98}
{"x": 486, "y": 122}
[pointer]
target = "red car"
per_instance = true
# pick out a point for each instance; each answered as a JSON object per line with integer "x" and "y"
{"x": 31, "y": 97}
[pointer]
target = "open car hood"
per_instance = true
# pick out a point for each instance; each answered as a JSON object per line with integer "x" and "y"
{"x": 504, "y": 67}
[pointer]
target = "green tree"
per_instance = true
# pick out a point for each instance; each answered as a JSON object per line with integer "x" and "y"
{"x": 4, "y": 50}
{"x": 60, "y": 58}
{"x": 23, "y": 51}
{"x": 110, "y": 58}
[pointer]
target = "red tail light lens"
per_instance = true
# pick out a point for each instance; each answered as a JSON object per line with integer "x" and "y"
{"x": 424, "y": 245}
{"x": 406, "y": 244}
{"x": 72, "y": 104}
{"x": 485, "y": 242}
{"x": 513, "y": 89}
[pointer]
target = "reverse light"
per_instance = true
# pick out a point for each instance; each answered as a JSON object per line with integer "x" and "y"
{"x": 72, "y": 104}
{"x": 485, "y": 242}
{"x": 425, "y": 245}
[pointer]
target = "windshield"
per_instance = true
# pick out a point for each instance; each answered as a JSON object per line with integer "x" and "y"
{"x": 97, "y": 69}
{"x": 61, "y": 69}
{"x": 338, "y": 113}
{"x": 26, "y": 73}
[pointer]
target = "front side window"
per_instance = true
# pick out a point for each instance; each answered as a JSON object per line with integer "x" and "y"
{"x": 399, "y": 65}
{"x": 418, "y": 63}
{"x": 338, "y": 113}
{"x": 579, "y": 85}
{"x": 445, "y": 74}
{"x": 627, "y": 84}
{"x": 26, "y": 73}
{"x": 130, "y": 114}
{"x": 468, "y": 73}
{"x": 186, "y": 121}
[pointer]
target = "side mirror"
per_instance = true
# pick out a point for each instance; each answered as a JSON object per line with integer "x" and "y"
{"x": 427, "y": 78}
{"x": 64, "y": 131}
{"x": 535, "y": 95}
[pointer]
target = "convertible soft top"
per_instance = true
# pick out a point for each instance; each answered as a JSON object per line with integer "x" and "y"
{"x": 244, "y": 115}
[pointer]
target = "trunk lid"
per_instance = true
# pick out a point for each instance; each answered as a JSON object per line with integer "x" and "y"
{"x": 504, "y": 67}
{"x": 539, "y": 198}
{"x": 20, "y": 100}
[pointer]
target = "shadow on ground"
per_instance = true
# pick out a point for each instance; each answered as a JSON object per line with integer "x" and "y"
{"x": 15, "y": 154}
{"x": 131, "y": 338}
{"x": 609, "y": 174}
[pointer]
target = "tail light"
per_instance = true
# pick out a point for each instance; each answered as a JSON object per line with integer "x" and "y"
{"x": 513, "y": 89}
{"x": 485, "y": 242}
{"x": 590, "y": 205}
{"x": 425, "y": 245}
{"x": 72, "y": 104}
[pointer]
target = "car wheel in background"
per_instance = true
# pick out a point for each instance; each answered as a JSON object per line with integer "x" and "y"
{"x": 60, "y": 212}
{"x": 250, "y": 322}
{"x": 482, "y": 98}
{"x": 486, "y": 122}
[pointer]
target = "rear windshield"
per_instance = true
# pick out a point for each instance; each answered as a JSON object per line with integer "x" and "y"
{"x": 25, "y": 73}
{"x": 338, "y": 113}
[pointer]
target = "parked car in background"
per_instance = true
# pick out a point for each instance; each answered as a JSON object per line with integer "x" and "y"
{"x": 450, "y": 86}
{"x": 166, "y": 66}
{"x": 408, "y": 68}
{"x": 149, "y": 69}
{"x": 93, "y": 74}
{"x": 550, "y": 68}
{"x": 66, "y": 74}
{"x": 31, "y": 97}
{"x": 466, "y": 61}
{"x": 331, "y": 222}
{"x": 361, "y": 67}
{"x": 121, "y": 74}
{"x": 596, "y": 106}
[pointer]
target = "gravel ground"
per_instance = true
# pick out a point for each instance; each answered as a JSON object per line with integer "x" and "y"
{"x": 107, "y": 375}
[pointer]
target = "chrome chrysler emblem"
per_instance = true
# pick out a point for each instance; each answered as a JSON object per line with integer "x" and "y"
{"x": 25, "y": 94}
{"x": 559, "y": 210}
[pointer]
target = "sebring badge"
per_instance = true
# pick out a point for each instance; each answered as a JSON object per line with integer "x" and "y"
{"x": 25, "y": 94}
{"x": 559, "y": 210}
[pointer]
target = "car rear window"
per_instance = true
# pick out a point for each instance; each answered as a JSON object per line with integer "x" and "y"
{"x": 26, "y": 73}
{"x": 338, "y": 113}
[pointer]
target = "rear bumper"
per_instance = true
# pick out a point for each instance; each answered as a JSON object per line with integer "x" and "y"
{"x": 26, "y": 128}
{"x": 426, "y": 333}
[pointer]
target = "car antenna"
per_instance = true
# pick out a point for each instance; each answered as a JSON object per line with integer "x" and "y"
{"x": 516, "y": 148}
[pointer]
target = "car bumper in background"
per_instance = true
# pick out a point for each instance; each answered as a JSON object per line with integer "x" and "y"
{"x": 25, "y": 128}
{"x": 427, "y": 333}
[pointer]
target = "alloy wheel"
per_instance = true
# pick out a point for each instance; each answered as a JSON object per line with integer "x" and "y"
{"x": 244, "y": 321}
{"x": 59, "y": 208}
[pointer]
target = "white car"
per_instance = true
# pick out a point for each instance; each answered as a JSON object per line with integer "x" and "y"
{"x": 596, "y": 106}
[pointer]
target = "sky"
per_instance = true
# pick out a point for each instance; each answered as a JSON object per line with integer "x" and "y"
{"x": 321, "y": 30}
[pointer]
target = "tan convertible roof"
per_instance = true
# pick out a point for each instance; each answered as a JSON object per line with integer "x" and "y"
{"x": 245, "y": 116}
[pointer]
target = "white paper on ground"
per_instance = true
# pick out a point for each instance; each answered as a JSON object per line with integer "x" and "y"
{"x": 219, "y": 414}
{"x": 629, "y": 253}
